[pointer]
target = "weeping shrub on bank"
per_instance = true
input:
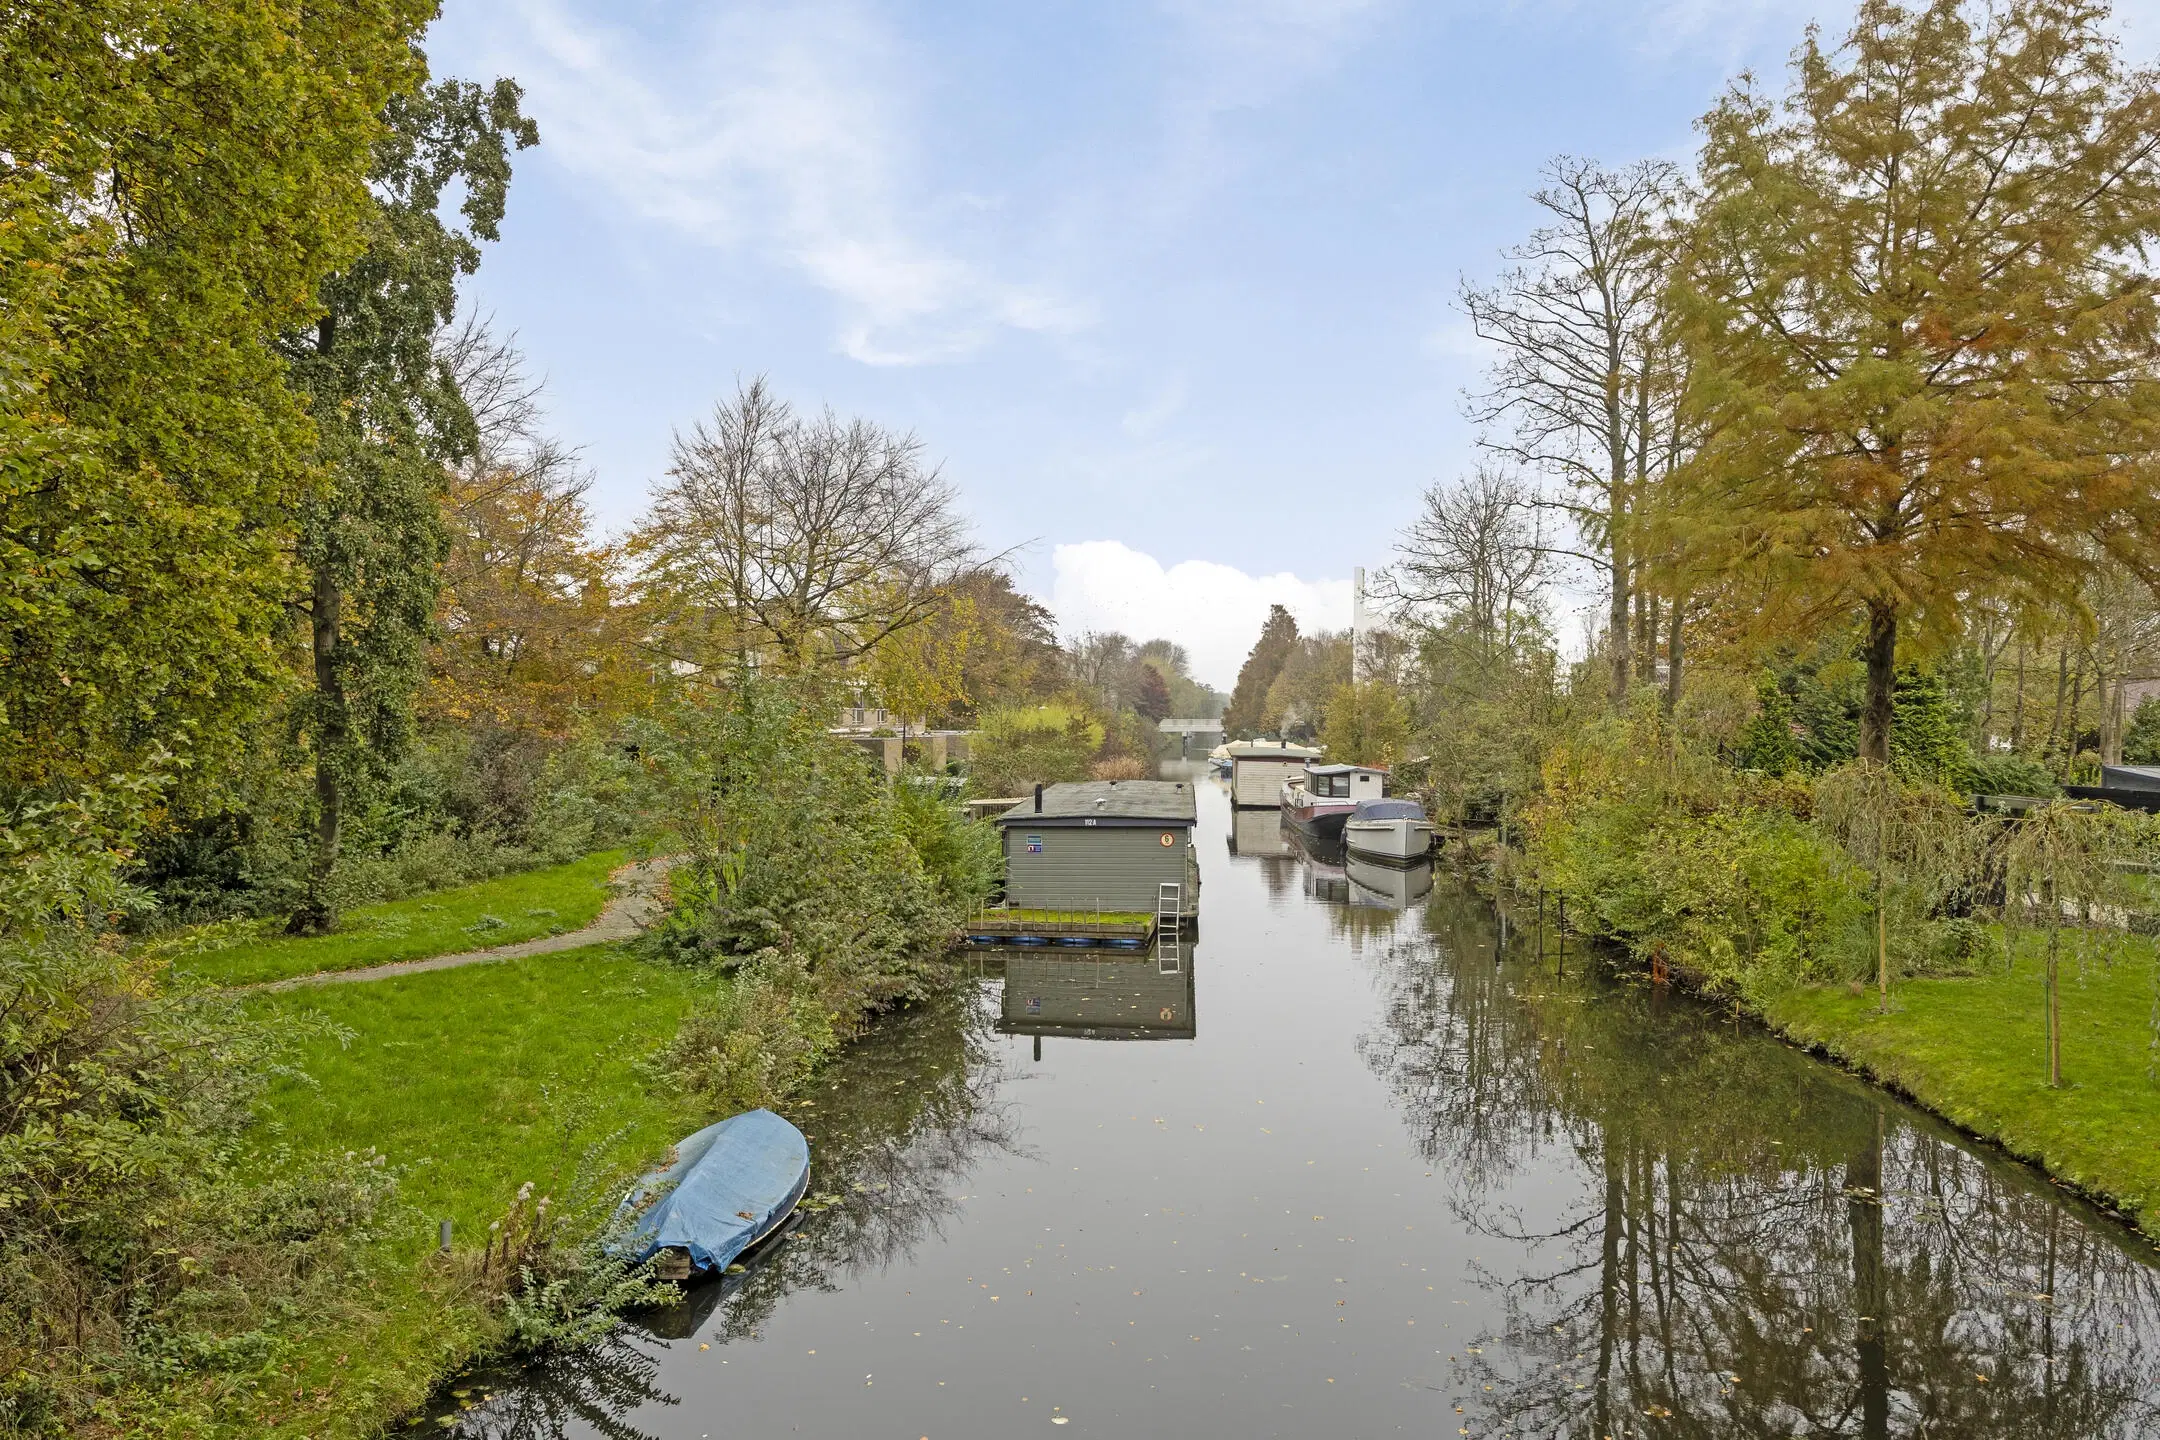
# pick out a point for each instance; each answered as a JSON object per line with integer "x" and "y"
{"x": 818, "y": 889}
{"x": 1655, "y": 845}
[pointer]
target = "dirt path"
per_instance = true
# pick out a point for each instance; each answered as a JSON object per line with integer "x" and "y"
{"x": 636, "y": 904}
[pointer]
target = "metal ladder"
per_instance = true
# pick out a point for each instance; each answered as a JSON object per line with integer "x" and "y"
{"x": 1169, "y": 928}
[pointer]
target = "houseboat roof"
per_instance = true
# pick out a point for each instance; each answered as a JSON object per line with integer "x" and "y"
{"x": 1271, "y": 750}
{"x": 1346, "y": 769}
{"x": 1152, "y": 803}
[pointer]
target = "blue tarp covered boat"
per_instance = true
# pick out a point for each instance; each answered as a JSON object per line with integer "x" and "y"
{"x": 724, "y": 1189}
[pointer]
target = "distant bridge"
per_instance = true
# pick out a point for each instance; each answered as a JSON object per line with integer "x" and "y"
{"x": 1190, "y": 727}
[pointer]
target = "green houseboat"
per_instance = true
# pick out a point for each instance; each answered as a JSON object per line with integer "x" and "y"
{"x": 1106, "y": 846}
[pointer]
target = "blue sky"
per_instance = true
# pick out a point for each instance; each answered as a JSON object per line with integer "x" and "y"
{"x": 1167, "y": 287}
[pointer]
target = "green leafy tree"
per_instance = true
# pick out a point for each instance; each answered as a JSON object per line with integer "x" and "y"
{"x": 1256, "y": 677}
{"x": 390, "y": 420}
{"x": 176, "y": 178}
{"x": 1921, "y": 327}
{"x": 1023, "y": 745}
{"x": 1367, "y": 724}
{"x": 1153, "y": 697}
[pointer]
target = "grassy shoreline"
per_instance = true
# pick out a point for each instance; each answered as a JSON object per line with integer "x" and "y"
{"x": 472, "y": 1081}
{"x": 1971, "y": 1051}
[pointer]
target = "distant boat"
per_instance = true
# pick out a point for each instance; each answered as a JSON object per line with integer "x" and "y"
{"x": 722, "y": 1190}
{"x": 1389, "y": 830}
{"x": 1218, "y": 760}
{"x": 1320, "y": 799}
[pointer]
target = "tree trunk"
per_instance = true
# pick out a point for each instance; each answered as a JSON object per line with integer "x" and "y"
{"x": 1876, "y": 711}
{"x": 2017, "y": 718}
{"x": 327, "y": 604}
{"x": 1616, "y": 514}
{"x": 2111, "y": 721}
{"x": 2070, "y": 719}
{"x": 328, "y": 725}
{"x": 1882, "y": 934}
{"x": 2062, "y": 693}
{"x": 1673, "y": 651}
{"x": 2054, "y": 989}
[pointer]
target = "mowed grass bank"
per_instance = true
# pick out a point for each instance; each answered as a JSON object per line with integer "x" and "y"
{"x": 502, "y": 911}
{"x": 472, "y": 1081}
{"x": 1975, "y": 1051}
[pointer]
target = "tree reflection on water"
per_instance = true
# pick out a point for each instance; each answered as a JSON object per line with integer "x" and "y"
{"x": 1746, "y": 1242}
{"x": 894, "y": 1119}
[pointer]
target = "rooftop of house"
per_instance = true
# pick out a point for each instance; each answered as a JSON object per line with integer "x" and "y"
{"x": 1151, "y": 802}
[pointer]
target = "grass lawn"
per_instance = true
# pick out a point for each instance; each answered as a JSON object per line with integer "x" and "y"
{"x": 1071, "y": 917}
{"x": 502, "y": 911}
{"x": 1974, "y": 1050}
{"x": 472, "y": 1081}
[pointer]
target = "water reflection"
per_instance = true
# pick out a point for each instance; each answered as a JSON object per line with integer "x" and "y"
{"x": 1409, "y": 1180}
{"x": 1259, "y": 835}
{"x": 1390, "y": 887}
{"x": 1098, "y": 998}
{"x": 1365, "y": 898}
{"x": 1851, "y": 1270}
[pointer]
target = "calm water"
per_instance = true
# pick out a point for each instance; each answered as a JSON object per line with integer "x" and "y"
{"x": 1366, "y": 1166}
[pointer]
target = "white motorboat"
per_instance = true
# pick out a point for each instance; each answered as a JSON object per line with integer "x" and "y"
{"x": 1394, "y": 830}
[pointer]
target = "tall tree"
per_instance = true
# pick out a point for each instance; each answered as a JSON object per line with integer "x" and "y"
{"x": 1475, "y": 555}
{"x": 1248, "y": 699}
{"x": 1578, "y": 390}
{"x": 1152, "y": 699}
{"x": 390, "y": 420}
{"x": 799, "y": 543}
{"x": 531, "y": 636}
{"x": 1922, "y": 334}
{"x": 176, "y": 178}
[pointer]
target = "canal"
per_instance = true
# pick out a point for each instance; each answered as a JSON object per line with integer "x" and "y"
{"x": 1364, "y": 1164}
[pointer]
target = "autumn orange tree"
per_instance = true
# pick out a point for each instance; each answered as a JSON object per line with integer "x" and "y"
{"x": 1921, "y": 330}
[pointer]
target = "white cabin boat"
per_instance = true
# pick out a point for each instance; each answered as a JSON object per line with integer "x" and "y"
{"x": 1321, "y": 798}
{"x": 1394, "y": 830}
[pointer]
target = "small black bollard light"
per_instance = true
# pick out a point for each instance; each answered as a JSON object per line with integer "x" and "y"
{"x": 445, "y": 1234}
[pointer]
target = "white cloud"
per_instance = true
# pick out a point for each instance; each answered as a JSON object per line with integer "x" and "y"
{"x": 782, "y": 129}
{"x": 1214, "y": 611}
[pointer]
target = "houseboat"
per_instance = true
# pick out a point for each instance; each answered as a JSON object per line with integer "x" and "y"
{"x": 1258, "y": 769}
{"x": 1102, "y": 847}
{"x": 1320, "y": 798}
{"x": 1394, "y": 830}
